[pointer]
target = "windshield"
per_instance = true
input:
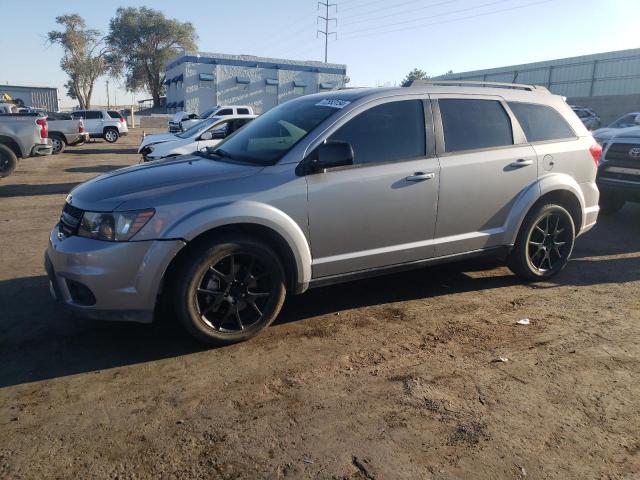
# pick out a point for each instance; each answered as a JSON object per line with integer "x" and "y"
{"x": 197, "y": 128}
{"x": 629, "y": 120}
{"x": 208, "y": 113}
{"x": 270, "y": 136}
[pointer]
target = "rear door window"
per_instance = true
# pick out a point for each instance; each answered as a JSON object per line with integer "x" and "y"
{"x": 390, "y": 132}
{"x": 224, "y": 111}
{"x": 541, "y": 123}
{"x": 243, "y": 111}
{"x": 94, "y": 115}
{"x": 470, "y": 124}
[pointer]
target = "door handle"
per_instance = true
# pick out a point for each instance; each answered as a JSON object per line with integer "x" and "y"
{"x": 420, "y": 177}
{"x": 521, "y": 163}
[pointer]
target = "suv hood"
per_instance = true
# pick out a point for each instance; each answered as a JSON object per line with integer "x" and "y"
{"x": 163, "y": 177}
{"x": 607, "y": 133}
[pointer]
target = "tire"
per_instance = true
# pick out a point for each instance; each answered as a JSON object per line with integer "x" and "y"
{"x": 229, "y": 290}
{"x": 610, "y": 204}
{"x": 58, "y": 144}
{"x": 8, "y": 161}
{"x": 111, "y": 135}
{"x": 544, "y": 243}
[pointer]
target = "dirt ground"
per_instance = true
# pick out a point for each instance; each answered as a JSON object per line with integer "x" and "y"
{"x": 388, "y": 378}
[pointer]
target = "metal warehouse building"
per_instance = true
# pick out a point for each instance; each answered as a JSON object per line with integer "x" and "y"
{"x": 607, "y": 82}
{"x": 198, "y": 81}
{"x": 39, "y": 97}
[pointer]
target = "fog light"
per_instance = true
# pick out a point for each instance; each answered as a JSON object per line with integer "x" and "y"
{"x": 80, "y": 294}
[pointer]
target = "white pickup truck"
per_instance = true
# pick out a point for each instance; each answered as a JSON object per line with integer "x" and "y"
{"x": 186, "y": 121}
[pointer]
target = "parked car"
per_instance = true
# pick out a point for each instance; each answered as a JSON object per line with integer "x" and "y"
{"x": 207, "y": 133}
{"x": 175, "y": 122}
{"x": 219, "y": 111}
{"x": 22, "y": 135}
{"x": 107, "y": 124}
{"x": 328, "y": 188}
{"x": 589, "y": 118}
{"x": 619, "y": 172}
{"x": 65, "y": 130}
{"x": 628, "y": 123}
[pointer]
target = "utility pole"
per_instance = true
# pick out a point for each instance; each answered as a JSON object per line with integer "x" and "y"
{"x": 327, "y": 20}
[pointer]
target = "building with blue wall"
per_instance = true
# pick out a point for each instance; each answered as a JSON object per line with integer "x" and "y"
{"x": 197, "y": 81}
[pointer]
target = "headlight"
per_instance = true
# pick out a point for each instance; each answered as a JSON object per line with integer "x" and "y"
{"x": 115, "y": 226}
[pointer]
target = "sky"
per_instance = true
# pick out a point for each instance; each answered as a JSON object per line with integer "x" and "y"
{"x": 380, "y": 41}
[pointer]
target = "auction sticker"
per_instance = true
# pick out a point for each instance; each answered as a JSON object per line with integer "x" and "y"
{"x": 333, "y": 103}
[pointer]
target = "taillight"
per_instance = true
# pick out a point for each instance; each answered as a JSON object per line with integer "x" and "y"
{"x": 81, "y": 127}
{"x": 596, "y": 152}
{"x": 43, "y": 127}
{"x": 121, "y": 119}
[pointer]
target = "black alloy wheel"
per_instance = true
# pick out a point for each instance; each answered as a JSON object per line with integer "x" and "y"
{"x": 548, "y": 245}
{"x": 229, "y": 290}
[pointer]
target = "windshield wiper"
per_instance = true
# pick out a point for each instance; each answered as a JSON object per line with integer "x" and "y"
{"x": 223, "y": 154}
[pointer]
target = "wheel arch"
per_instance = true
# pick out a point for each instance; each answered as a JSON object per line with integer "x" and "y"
{"x": 259, "y": 221}
{"x": 59, "y": 135}
{"x": 12, "y": 144}
{"x": 561, "y": 189}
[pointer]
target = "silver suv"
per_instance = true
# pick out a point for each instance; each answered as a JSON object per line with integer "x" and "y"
{"x": 328, "y": 188}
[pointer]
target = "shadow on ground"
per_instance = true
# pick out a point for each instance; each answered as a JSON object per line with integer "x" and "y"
{"x": 39, "y": 340}
{"x": 94, "y": 169}
{"x": 25, "y": 189}
{"x": 101, "y": 151}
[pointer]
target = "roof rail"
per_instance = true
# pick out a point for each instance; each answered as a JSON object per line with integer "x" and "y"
{"x": 514, "y": 86}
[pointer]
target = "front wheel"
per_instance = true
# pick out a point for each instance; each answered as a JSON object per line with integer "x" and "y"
{"x": 544, "y": 243}
{"x": 58, "y": 144}
{"x": 230, "y": 290}
{"x": 111, "y": 135}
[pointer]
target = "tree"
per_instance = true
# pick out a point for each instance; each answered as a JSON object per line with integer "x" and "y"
{"x": 143, "y": 40}
{"x": 85, "y": 56}
{"x": 415, "y": 74}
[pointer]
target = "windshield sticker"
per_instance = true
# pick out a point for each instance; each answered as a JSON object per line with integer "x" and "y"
{"x": 332, "y": 103}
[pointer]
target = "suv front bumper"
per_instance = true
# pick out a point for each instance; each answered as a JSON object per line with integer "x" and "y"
{"x": 108, "y": 280}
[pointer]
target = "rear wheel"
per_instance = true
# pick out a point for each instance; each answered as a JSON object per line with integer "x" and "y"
{"x": 58, "y": 144}
{"x": 111, "y": 135}
{"x": 610, "y": 203}
{"x": 229, "y": 291}
{"x": 8, "y": 161}
{"x": 544, "y": 243}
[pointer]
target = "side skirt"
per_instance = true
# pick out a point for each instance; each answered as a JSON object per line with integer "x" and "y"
{"x": 499, "y": 252}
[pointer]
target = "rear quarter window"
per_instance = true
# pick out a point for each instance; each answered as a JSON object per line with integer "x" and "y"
{"x": 470, "y": 124}
{"x": 541, "y": 123}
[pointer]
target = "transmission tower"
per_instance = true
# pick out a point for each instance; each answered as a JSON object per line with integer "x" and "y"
{"x": 327, "y": 20}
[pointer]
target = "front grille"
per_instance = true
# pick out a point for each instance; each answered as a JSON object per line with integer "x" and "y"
{"x": 70, "y": 219}
{"x": 620, "y": 151}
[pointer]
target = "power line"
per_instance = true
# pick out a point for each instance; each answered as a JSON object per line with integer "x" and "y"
{"x": 355, "y": 33}
{"x": 394, "y": 14}
{"x": 327, "y": 20}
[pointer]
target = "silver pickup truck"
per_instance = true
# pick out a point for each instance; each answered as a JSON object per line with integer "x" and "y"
{"x": 22, "y": 135}
{"x": 65, "y": 131}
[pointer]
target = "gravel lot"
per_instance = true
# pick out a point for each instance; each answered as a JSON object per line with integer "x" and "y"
{"x": 387, "y": 378}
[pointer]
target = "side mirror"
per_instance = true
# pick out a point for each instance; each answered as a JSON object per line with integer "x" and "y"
{"x": 218, "y": 134}
{"x": 206, "y": 136}
{"x": 332, "y": 154}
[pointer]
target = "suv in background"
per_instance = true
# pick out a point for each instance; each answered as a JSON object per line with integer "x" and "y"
{"x": 219, "y": 111}
{"x": 619, "y": 172}
{"x": 589, "y": 118}
{"x": 107, "y": 124}
{"x": 328, "y": 188}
